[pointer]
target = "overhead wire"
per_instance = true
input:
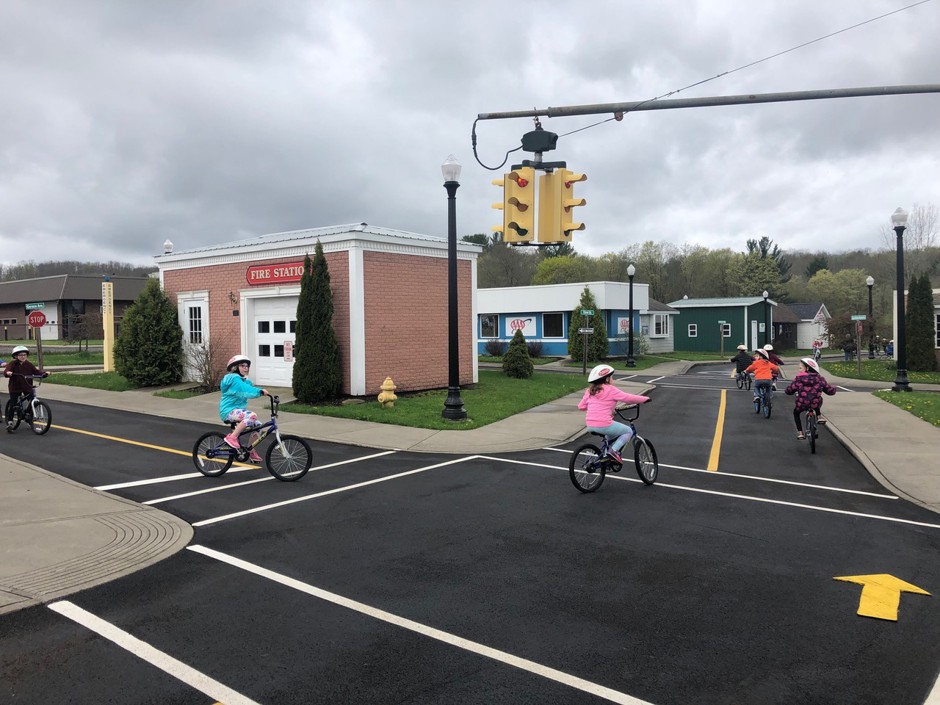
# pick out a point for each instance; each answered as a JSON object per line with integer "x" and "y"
{"x": 619, "y": 116}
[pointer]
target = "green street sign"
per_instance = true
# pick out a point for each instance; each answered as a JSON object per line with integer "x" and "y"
{"x": 36, "y": 306}
{"x": 860, "y": 317}
{"x": 587, "y": 312}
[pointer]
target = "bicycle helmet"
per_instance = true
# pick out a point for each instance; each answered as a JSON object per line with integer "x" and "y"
{"x": 742, "y": 347}
{"x": 599, "y": 372}
{"x": 769, "y": 347}
{"x": 234, "y": 361}
{"x": 19, "y": 349}
{"x": 810, "y": 363}
{"x": 762, "y": 353}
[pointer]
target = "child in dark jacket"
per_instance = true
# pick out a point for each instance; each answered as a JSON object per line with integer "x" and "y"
{"x": 742, "y": 360}
{"x": 19, "y": 370}
{"x": 808, "y": 386}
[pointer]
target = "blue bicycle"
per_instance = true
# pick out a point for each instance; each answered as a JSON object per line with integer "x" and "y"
{"x": 763, "y": 402}
{"x": 288, "y": 458}
{"x": 590, "y": 463}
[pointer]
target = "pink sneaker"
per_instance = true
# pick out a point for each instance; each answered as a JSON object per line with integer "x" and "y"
{"x": 232, "y": 441}
{"x": 254, "y": 457}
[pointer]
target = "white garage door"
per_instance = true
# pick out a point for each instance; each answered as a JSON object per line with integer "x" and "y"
{"x": 275, "y": 321}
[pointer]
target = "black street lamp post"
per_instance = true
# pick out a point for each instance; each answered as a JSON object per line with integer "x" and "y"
{"x": 631, "y": 271}
{"x": 766, "y": 295}
{"x": 871, "y": 333}
{"x": 453, "y": 405}
{"x": 899, "y": 221}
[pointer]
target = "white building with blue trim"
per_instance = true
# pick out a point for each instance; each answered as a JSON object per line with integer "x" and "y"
{"x": 543, "y": 313}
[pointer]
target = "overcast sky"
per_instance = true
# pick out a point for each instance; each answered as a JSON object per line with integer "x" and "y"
{"x": 124, "y": 123}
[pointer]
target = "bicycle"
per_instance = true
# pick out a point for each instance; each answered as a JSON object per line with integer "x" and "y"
{"x": 743, "y": 380}
{"x": 763, "y": 401}
{"x": 288, "y": 458}
{"x": 29, "y": 410}
{"x": 590, "y": 463}
{"x": 811, "y": 429}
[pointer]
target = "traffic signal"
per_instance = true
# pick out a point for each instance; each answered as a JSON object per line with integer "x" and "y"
{"x": 568, "y": 200}
{"x": 518, "y": 205}
{"x": 550, "y": 194}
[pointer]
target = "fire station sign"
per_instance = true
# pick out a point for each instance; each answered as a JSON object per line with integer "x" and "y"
{"x": 280, "y": 273}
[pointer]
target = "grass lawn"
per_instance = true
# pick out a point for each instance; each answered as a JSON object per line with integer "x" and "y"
{"x": 108, "y": 381}
{"x": 924, "y": 405}
{"x": 878, "y": 370}
{"x": 535, "y": 360}
{"x": 494, "y": 398}
{"x": 68, "y": 358}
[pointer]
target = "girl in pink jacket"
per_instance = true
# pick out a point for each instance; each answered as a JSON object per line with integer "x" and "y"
{"x": 599, "y": 401}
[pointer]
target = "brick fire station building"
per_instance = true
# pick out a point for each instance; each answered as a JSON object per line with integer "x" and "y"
{"x": 389, "y": 299}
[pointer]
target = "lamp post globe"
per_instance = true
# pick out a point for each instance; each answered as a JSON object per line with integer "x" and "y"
{"x": 870, "y": 282}
{"x": 631, "y": 271}
{"x": 453, "y": 405}
{"x": 899, "y": 224}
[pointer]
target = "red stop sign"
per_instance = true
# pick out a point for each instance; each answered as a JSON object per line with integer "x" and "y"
{"x": 36, "y": 319}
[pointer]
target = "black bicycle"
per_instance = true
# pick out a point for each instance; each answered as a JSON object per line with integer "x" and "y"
{"x": 288, "y": 458}
{"x": 29, "y": 410}
{"x": 590, "y": 463}
{"x": 763, "y": 401}
{"x": 743, "y": 380}
{"x": 811, "y": 429}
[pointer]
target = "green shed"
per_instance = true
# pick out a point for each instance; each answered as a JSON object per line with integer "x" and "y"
{"x": 720, "y": 325}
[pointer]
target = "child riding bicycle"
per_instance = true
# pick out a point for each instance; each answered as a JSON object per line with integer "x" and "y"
{"x": 808, "y": 386}
{"x": 742, "y": 360}
{"x": 19, "y": 370}
{"x": 599, "y": 401}
{"x": 764, "y": 371}
{"x": 237, "y": 389}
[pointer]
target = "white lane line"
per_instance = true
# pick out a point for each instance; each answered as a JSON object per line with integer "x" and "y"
{"x": 276, "y": 505}
{"x": 263, "y": 479}
{"x": 845, "y": 389}
{"x": 655, "y": 379}
{"x": 425, "y": 630}
{"x": 237, "y": 467}
{"x": 719, "y": 473}
{"x": 740, "y": 496}
{"x": 693, "y": 386}
{"x": 166, "y": 663}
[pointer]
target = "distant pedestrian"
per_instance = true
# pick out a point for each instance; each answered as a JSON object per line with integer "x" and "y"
{"x": 848, "y": 349}
{"x": 808, "y": 386}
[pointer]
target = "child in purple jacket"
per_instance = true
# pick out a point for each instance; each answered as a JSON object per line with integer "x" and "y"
{"x": 808, "y": 386}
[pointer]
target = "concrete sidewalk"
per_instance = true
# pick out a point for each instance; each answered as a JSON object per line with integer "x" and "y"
{"x": 58, "y": 537}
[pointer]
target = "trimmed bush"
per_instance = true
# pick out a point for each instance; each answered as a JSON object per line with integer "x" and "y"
{"x": 516, "y": 361}
{"x": 494, "y": 348}
{"x": 149, "y": 350}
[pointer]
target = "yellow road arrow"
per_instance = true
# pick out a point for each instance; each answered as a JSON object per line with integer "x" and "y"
{"x": 881, "y": 594}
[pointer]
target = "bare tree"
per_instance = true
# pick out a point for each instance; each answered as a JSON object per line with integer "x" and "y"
{"x": 203, "y": 359}
{"x": 923, "y": 226}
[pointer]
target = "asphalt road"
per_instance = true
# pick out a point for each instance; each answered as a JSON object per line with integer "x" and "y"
{"x": 413, "y": 578}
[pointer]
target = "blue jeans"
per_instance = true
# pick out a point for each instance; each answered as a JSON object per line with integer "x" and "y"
{"x": 616, "y": 430}
{"x": 767, "y": 385}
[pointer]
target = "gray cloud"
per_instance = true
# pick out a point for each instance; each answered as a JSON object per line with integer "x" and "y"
{"x": 124, "y": 124}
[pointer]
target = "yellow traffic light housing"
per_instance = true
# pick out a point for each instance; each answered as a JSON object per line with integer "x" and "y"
{"x": 568, "y": 200}
{"x": 550, "y": 196}
{"x": 519, "y": 206}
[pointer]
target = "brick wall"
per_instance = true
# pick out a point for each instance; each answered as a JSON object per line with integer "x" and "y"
{"x": 406, "y": 322}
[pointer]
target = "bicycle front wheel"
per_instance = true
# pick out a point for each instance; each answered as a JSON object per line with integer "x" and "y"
{"x": 739, "y": 380}
{"x": 586, "y": 468}
{"x": 211, "y": 455}
{"x": 647, "y": 465}
{"x": 290, "y": 459}
{"x": 41, "y": 420}
{"x": 811, "y": 431}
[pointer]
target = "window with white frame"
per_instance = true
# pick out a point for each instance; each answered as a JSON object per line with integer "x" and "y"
{"x": 693, "y": 330}
{"x": 553, "y": 325}
{"x": 660, "y": 325}
{"x": 725, "y": 330}
{"x": 489, "y": 327}
{"x": 195, "y": 324}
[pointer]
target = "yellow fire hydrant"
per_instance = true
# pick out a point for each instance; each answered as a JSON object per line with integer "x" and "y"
{"x": 387, "y": 397}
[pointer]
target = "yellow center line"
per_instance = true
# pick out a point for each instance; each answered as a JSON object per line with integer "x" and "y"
{"x": 719, "y": 429}
{"x": 187, "y": 453}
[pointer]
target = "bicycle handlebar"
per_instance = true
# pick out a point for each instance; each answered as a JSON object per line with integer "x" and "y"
{"x": 629, "y": 407}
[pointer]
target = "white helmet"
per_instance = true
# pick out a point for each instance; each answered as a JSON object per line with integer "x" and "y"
{"x": 742, "y": 347}
{"x": 810, "y": 363}
{"x": 768, "y": 347}
{"x": 20, "y": 348}
{"x": 235, "y": 360}
{"x": 600, "y": 372}
{"x": 762, "y": 353}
